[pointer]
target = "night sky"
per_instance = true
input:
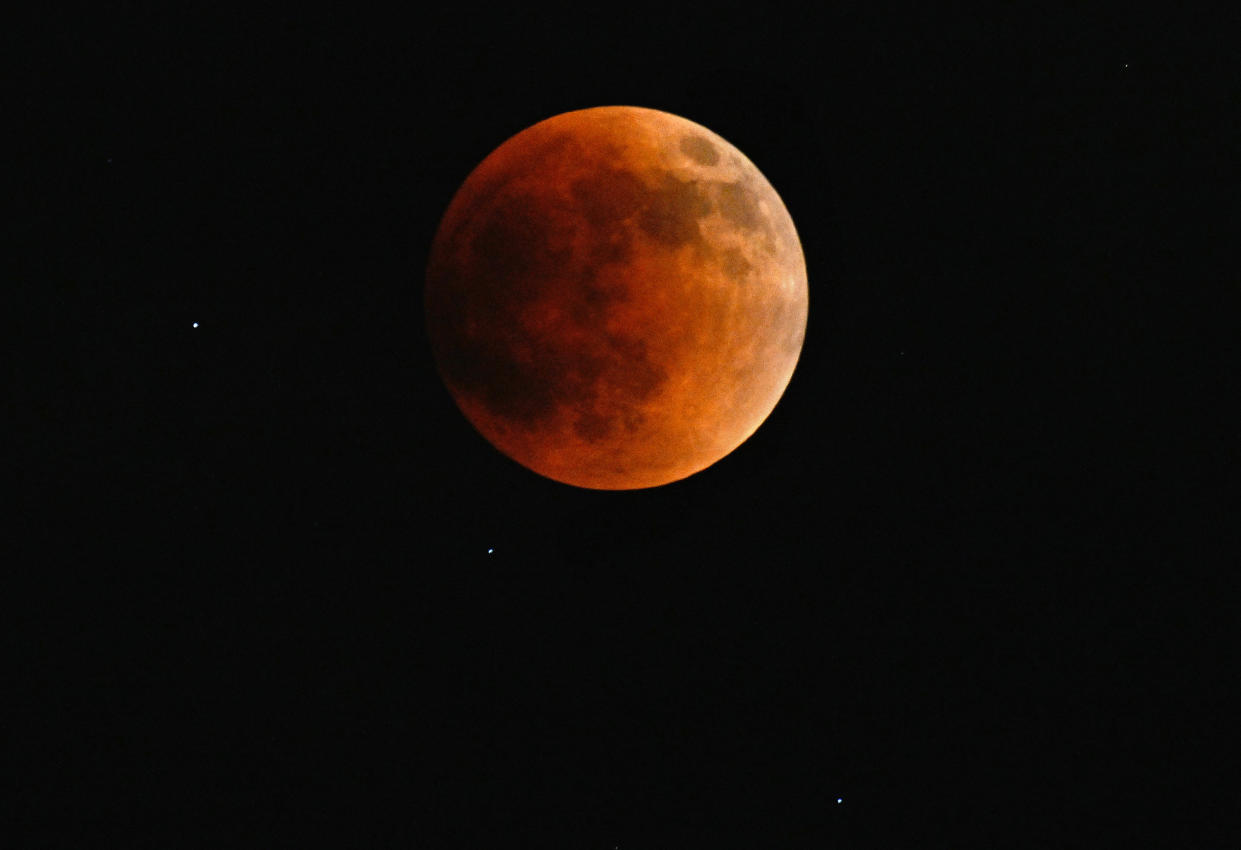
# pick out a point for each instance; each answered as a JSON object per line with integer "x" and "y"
{"x": 970, "y": 584}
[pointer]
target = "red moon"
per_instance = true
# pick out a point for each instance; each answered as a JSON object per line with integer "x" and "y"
{"x": 616, "y": 298}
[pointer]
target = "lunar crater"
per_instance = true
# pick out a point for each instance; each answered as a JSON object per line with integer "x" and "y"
{"x": 699, "y": 149}
{"x": 739, "y": 205}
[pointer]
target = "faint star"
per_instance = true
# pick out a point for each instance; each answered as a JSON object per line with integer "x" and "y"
{"x": 196, "y": 324}
{"x": 489, "y": 551}
{"x": 840, "y": 800}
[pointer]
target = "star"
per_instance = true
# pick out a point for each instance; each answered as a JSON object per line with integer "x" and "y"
{"x": 489, "y": 551}
{"x": 196, "y": 324}
{"x": 839, "y": 800}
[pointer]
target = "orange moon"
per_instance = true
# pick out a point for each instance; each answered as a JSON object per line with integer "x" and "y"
{"x": 616, "y": 298}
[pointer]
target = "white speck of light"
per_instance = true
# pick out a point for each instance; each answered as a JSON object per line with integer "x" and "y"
{"x": 1126, "y": 64}
{"x": 840, "y": 800}
{"x": 196, "y": 324}
{"x": 490, "y": 551}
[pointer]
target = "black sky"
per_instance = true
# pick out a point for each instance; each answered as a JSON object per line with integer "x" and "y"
{"x": 972, "y": 577}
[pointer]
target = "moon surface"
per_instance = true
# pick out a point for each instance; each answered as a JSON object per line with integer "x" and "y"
{"x": 616, "y": 298}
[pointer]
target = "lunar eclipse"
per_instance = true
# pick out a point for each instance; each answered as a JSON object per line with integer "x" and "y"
{"x": 616, "y": 298}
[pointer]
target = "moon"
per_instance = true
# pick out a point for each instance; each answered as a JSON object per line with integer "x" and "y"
{"x": 616, "y": 298}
